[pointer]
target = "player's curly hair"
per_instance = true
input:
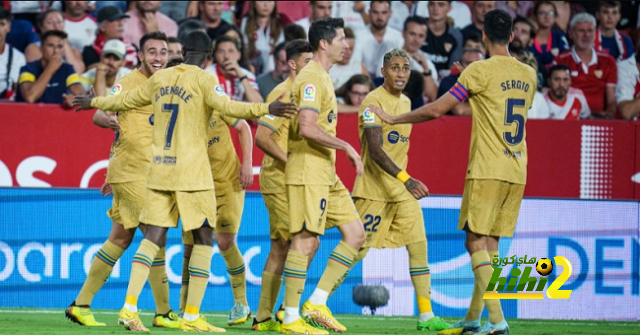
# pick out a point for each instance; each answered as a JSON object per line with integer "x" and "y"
{"x": 395, "y": 52}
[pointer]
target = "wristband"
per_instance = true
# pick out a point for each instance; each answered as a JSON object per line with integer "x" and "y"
{"x": 403, "y": 176}
{"x": 243, "y": 78}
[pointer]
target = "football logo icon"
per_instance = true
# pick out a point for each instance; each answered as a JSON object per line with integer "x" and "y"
{"x": 544, "y": 267}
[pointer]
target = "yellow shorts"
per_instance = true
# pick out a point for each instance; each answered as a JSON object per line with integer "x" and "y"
{"x": 490, "y": 207}
{"x": 278, "y": 208}
{"x": 163, "y": 208}
{"x": 319, "y": 207}
{"x": 391, "y": 224}
{"x": 128, "y": 201}
{"x": 229, "y": 207}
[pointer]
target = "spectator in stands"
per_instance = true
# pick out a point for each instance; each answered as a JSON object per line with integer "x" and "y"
{"x": 415, "y": 89}
{"x": 523, "y": 34}
{"x": 468, "y": 56}
{"x": 294, "y": 10}
{"x": 262, "y": 32}
{"x": 354, "y": 13}
{"x": 294, "y": 32}
{"x": 234, "y": 32}
{"x": 549, "y": 42}
{"x": 402, "y": 10}
{"x": 564, "y": 101}
{"x": 211, "y": 15}
{"x": 110, "y": 69}
{"x": 414, "y": 34}
{"x": 351, "y": 94}
{"x": 52, "y": 19}
{"x": 146, "y": 18}
{"x": 565, "y": 11}
{"x": 110, "y": 26}
{"x": 80, "y": 26}
{"x": 11, "y": 60}
{"x": 268, "y": 81}
{"x": 22, "y": 34}
{"x": 377, "y": 39}
{"x": 444, "y": 42}
{"x": 175, "y": 47}
{"x": 319, "y": 10}
{"x": 479, "y": 9}
{"x": 48, "y": 80}
{"x": 595, "y": 73}
{"x": 459, "y": 15}
{"x": 539, "y": 108}
{"x": 474, "y": 41}
{"x": 28, "y": 10}
{"x": 609, "y": 40}
{"x": 628, "y": 93}
{"x": 516, "y": 8}
{"x": 175, "y": 10}
{"x": 238, "y": 82}
{"x": 351, "y": 63}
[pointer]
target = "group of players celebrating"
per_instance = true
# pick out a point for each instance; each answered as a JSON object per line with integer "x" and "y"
{"x": 173, "y": 149}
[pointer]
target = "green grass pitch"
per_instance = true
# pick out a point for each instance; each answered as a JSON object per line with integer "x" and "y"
{"x": 53, "y": 322}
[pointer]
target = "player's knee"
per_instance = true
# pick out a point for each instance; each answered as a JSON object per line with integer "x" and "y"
{"x": 121, "y": 241}
{"x": 203, "y": 236}
{"x": 225, "y": 241}
{"x": 356, "y": 240}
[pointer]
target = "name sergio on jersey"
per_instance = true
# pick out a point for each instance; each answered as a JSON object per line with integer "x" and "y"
{"x": 515, "y": 85}
{"x": 174, "y": 90}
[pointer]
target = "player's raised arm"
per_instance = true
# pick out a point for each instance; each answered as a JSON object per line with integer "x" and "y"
{"x": 136, "y": 98}
{"x": 425, "y": 113}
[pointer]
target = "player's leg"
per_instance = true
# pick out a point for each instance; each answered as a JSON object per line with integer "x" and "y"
{"x": 101, "y": 266}
{"x": 340, "y": 209}
{"x": 307, "y": 217}
{"x": 229, "y": 214}
{"x": 187, "y": 242}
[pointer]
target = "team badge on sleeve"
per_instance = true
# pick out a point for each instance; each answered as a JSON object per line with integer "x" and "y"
{"x": 368, "y": 116}
{"x": 309, "y": 93}
{"x": 219, "y": 90}
{"x": 116, "y": 90}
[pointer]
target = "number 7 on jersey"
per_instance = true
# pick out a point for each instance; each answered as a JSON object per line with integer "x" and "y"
{"x": 173, "y": 109}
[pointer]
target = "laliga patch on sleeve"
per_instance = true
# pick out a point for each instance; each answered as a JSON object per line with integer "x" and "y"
{"x": 116, "y": 90}
{"x": 368, "y": 116}
{"x": 219, "y": 90}
{"x": 270, "y": 116}
{"x": 309, "y": 93}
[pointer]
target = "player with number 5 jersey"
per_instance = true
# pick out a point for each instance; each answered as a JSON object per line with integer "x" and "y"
{"x": 500, "y": 91}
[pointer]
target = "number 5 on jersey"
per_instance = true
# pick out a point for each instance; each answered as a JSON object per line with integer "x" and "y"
{"x": 511, "y": 117}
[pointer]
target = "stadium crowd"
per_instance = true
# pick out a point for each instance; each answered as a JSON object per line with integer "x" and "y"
{"x": 583, "y": 51}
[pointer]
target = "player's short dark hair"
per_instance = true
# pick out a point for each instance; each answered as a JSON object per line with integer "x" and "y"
{"x": 154, "y": 35}
{"x": 324, "y": 29}
{"x": 56, "y": 33}
{"x": 225, "y": 39}
{"x": 196, "y": 41}
{"x": 498, "y": 26}
{"x": 172, "y": 40}
{"x": 414, "y": 19}
{"x": 559, "y": 67}
{"x": 609, "y": 4}
{"x": 188, "y": 26}
{"x": 297, "y": 47}
{"x": 294, "y": 32}
{"x": 174, "y": 61}
{"x": 5, "y": 14}
{"x": 473, "y": 37}
{"x": 387, "y": 2}
{"x": 532, "y": 28}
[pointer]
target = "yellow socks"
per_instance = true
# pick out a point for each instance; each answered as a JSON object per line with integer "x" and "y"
{"x": 160, "y": 283}
{"x": 199, "y": 267}
{"x": 295, "y": 275}
{"x": 271, "y": 283}
{"x": 338, "y": 265}
{"x": 184, "y": 289}
{"x": 482, "y": 271}
{"x": 237, "y": 275}
{"x": 421, "y": 278}
{"x": 141, "y": 265}
{"x": 101, "y": 268}
{"x": 477, "y": 303}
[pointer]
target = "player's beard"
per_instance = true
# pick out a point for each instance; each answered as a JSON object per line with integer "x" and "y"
{"x": 148, "y": 68}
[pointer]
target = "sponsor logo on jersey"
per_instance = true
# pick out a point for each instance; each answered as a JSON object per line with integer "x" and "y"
{"x": 219, "y": 90}
{"x": 116, "y": 90}
{"x": 309, "y": 93}
{"x": 393, "y": 137}
{"x": 332, "y": 116}
{"x": 368, "y": 116}
{"x": 151, "y": 119}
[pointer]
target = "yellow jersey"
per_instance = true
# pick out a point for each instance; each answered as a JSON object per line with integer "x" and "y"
{"x": 376, "y": 184}
{"x": 500, "y": 91}
{"x": 131, "y": 149}
{"x": 309, "y": 163}
{"x": 272, "y": 170}
{"x": 183, "y": 98}
{"x": 224, "y": 160}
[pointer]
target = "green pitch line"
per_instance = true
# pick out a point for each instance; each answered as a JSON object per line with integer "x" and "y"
{"x": 53, "y": 322}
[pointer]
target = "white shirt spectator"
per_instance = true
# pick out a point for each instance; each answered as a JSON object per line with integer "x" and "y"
{"x": 373, "y": 52}
{"x": 24, "y": 7}
{"x": 432, "y": 67}
{"x": 352, "y": 19}
{"x": 539, "y": 108}
{"x": 460, "y": 13}
{"x": 628, "y": 87}
{"x": 81, "y": 32}
{"x": 305, "y": 23}
{"x": 88, "y": 78}
{"x": 400, "y": 13}
{"x": 232, "y": 85}
{"x": 8, "y": 78}
{"x": 340, "y": 74}
{"x": 263, "y": 44}
{"x": 574, "y": 107}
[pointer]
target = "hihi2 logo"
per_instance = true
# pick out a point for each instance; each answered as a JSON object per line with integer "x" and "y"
{"x": 527, "y": 287}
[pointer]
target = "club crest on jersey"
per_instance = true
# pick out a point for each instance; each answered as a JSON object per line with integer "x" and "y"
{"x": 309, "y": 93}
{"x": 368, "y": 116}
{"x": 332, "y": 116}
{"x": 116, "y": 90}
{"x": 447, "y": 47}
{"x": 598, "y": 73}
{"x": 219, "y": 90}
